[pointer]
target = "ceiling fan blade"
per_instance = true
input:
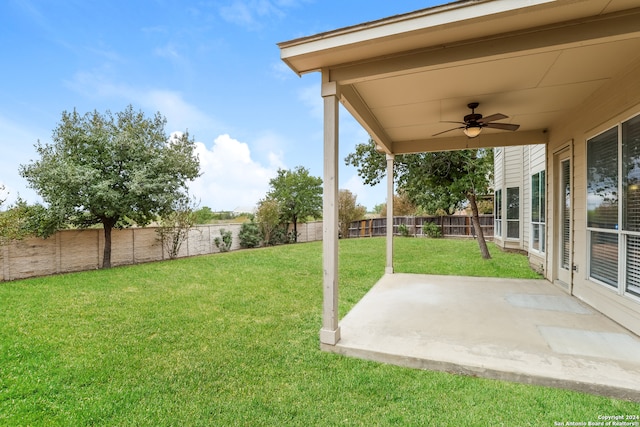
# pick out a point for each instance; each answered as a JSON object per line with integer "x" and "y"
{"x": 493, "y": 118}
{"x": 449, "y": 130}
{"x": 503, "y": 126}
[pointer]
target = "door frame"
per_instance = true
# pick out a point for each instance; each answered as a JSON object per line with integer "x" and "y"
{"x": 563, "y": 277}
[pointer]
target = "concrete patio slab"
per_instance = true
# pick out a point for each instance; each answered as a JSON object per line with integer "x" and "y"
{"x": 518, "y": 330}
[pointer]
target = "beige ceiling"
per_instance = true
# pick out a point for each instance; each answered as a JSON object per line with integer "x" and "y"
{"x": 532, "y": 60}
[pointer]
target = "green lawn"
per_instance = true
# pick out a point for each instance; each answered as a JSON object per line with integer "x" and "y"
{"x": 232, "y": 339}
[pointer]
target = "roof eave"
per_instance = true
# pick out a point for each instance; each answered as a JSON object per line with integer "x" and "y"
{"x": 296, "y": 51}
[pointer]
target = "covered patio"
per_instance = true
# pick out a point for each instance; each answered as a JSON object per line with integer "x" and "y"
{"x": 519, "y": 330}
{"x": 558, "y": 69}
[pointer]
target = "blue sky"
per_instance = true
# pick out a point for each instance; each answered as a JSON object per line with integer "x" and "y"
{"x": 211, "y": 67}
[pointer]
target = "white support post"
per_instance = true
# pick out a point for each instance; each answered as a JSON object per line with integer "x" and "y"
{"x": 330, "y": 332}
{"x": 389, "y": 267}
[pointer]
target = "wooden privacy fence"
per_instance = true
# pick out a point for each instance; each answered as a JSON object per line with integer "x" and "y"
{"x": 450, "y": 226}
{"x": 80, "y": 250}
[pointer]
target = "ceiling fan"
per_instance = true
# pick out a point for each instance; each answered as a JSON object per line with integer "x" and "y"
{"x": 473, "y": 123}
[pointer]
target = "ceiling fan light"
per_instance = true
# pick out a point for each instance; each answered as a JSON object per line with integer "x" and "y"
{"x": 472, "y": 131}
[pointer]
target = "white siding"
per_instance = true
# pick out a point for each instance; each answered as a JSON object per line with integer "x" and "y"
{"x": 514, "y": 167}
{"x": 498, "y": 168}
{"x": 537, "y": 154}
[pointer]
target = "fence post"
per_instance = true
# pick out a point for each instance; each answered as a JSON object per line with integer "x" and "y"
{"x": 6, "y": 261}
{"x": 58, "y": 254}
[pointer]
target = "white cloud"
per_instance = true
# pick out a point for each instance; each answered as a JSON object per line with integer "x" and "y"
{"x": 270, "y": 146}
{"x": 179, "y": 113}
{"x": 231, "y": 177}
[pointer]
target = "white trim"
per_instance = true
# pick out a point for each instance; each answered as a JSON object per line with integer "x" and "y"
{"x": 621, "y": 285}
{"x": 430, "y": 18}
{"x": 542, "y": 236}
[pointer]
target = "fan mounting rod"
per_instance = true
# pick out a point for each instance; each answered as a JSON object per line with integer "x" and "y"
{"x": 473, "y": 117}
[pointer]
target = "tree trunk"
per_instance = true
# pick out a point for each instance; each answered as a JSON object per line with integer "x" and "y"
{"x": 295, "y": 229}
{"x": 108, "y": 224}
{"x": 475, "y": 219}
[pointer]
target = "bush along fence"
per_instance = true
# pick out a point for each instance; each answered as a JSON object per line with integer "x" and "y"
{"x": 423, "y": 226}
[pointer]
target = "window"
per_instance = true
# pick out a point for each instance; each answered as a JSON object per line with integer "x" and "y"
{"x": 497, "y": 222}
{"x": 538, "y": 211}
{"x": 602, "y": 181}
{"x": 614, "y": 231}
{"x": 565, "y": 215}
{"x": 513, "y": 213}
{"x": 631, "y": 202}
{"x": 602, "y": 206}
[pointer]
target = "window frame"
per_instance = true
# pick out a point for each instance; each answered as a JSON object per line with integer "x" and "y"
{"x": 497, "y": 216}
{"x": 511, "y": 220}
{"x": 540, "y": 224}
{"x": 622, "y": 235}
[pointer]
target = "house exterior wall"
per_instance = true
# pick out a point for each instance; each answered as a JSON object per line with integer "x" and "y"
{"x": 509, "y": 174}
{"x": 514, "y": 167}
{"x": 536, "y": 164}
{"x": 616, "y": 101}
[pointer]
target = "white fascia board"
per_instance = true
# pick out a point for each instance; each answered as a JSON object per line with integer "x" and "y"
{"x": 394, "y": 26}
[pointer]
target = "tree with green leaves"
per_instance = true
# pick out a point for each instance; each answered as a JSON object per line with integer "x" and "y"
{"x": 268, "y": 218}
{"x": 440, "y": 180}
{"x": 402, "y": 206}
{"x": 299, "y": 195}
{"x": 203, "y": 215}
{"x": 112, "y": 169}
{"x": 21, "y": 220}
{"x": 348, "y": 211}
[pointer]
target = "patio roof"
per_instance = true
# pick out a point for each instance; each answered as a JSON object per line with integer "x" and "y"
{"x": 534, "y": 61}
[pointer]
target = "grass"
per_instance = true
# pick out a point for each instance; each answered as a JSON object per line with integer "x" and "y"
{"x": 232, "y": 339}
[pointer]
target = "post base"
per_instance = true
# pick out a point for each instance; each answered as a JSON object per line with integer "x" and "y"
{"x": 329, "y": 337}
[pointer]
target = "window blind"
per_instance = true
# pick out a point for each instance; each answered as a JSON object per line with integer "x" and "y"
{"x": 633, "y": 265}
{"x": 604, "y": 257}
{"x": 602, "y": 180}
{"x": 631, "y": 174}
{"x": 566, "y": 213}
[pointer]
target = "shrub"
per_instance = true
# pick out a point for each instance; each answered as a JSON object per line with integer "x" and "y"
{"x": 403, "y": 230}
{"x": 278, "y": 236}
{"x": 268, "y": 220}
{"x": 224, "y": 243}
{"x": 431, "y": 229}
{"x": 173, "y": 228}
{"x": 250, "y": 236}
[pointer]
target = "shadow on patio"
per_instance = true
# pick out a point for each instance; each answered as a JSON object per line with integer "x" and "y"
{"x": 518, "y": 330}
